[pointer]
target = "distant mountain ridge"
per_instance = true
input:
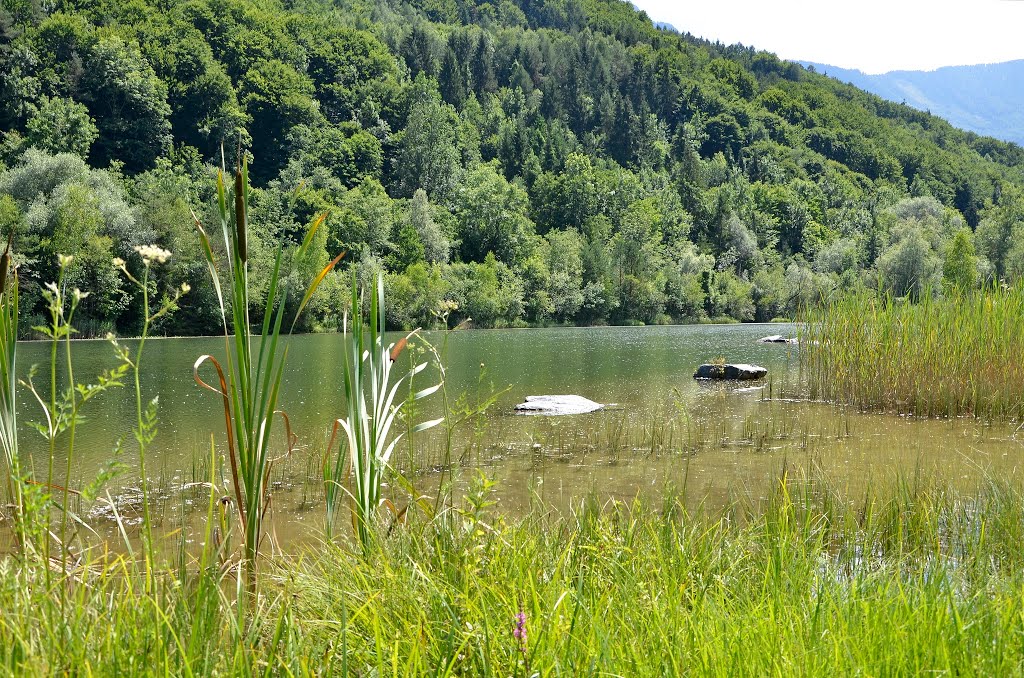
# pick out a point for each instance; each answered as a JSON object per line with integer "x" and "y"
{"x": 987, "y": 99}
{"x": 660, "y": 25}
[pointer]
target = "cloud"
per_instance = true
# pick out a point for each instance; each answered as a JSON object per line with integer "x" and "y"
{"x": 872, "y": 35}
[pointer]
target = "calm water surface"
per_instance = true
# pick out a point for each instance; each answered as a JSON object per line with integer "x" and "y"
{"x": 717, "y": 443}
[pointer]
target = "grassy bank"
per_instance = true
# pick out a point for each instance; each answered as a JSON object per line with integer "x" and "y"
{"x": 913, "y": 580}
{"x": 939, "y": 357}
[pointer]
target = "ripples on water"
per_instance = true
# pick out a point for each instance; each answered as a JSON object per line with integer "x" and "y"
{"x": 717, "y": 444}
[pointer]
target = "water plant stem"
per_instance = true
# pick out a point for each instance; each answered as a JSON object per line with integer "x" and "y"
{"x": 9, "y": 297}
{"x": 250, "y": 388}
{"x": 940, "y": 357}
{"x": 72, "y": 429}
{"x": 141, "y": 434}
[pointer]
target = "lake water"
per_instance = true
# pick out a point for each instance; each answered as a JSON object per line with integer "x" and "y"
{"x": 716, "y": 443}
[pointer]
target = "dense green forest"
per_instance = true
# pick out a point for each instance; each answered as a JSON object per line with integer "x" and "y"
{"x": 514, "y": 162}
{"x": 985, "y": 98}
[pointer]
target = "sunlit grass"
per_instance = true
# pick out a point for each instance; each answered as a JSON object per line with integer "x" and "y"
{"x": 908, "y": 580}
{"x": 939, "y": 357}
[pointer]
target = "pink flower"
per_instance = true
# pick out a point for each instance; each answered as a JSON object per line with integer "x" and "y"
{"x": 519, "y": 631}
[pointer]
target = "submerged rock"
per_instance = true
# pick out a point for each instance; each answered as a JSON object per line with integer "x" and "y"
{"x": 778, "y": 339}
{"x": 738, "y": 371}
{"x": 557, "y": 405}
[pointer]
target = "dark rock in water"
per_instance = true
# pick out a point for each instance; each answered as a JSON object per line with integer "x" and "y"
{"x": 777, "y": 339}
{"x": 739, "y": 371}
{"x": 556, "y": 405}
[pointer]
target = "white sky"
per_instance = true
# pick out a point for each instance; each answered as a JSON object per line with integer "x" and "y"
{"x": 873, "y": 35}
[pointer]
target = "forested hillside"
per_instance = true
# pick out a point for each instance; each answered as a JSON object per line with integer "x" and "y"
{"x": 516, "y": 162}
{"x": 987, "y": 98}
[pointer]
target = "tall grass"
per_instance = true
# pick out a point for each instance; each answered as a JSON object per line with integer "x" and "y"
{"x": 911, "y": 580}
{"x": 940, "y": 357}
{"x": 255, "y": 360}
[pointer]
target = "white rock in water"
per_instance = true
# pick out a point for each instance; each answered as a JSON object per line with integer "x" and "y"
{"x": 778, "y": 339}
{"x": 556, "y": 405}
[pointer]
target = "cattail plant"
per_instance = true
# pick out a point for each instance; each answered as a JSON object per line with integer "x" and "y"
{"x": 255, "y": 361}
{"x": 370, "y": 396}
{"x": 8, "y": 382}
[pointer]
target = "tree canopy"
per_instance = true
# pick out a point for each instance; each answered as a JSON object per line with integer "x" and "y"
{"x": 527, "y": 161}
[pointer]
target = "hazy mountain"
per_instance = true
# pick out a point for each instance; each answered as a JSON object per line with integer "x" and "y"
{"x": 661, "y": 25}
{"x": 987, "y": 99}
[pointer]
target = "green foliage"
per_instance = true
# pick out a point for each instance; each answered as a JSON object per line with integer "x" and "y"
{"x": 255, "y": 361}
{"x": 492, "y": 218}
{"x": 909, "y": 266}
{"x": 466, "y": 130}
{"x": 730, "y": 297}
{"x": 72, "y": 210}
{"x": 960, "y": 270}
{"x": 941, "y": 357}
{"x": 428, "y": 154}
{"x": 128, "y": 102}
{"x": 366, "y": 220}
{"x": 788, "y": 586}
{"x": 277, "y": 98}
{"x": 490, "y": 294}
{"x": 372, "y": 410}
{"x": 436, "y": 243}
{"x": 418, "y": 297}
{"x": 8, "y": 388}
{"x": 347, "y": 152}
{"x": 62, "y": 125}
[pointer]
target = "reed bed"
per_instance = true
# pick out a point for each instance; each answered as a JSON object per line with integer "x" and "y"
{"x": 940, "y": 357}
{"x": 911, "y": 579}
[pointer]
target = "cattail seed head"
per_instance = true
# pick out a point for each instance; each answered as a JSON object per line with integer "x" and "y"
{"x": 240, "y": 226}
{"x": 5, "y": 264}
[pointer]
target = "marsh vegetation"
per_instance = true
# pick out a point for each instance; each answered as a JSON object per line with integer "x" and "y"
{"x": 944, "y": 357}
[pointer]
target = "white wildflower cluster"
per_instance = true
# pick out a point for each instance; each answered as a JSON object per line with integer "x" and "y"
{"x": 152, "y": 254}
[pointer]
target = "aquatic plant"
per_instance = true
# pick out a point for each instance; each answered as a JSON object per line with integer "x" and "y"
{"x": 62, "y": 408}
{"x": 146, "y": 418}
{"x": 372, "y": 408}
{"x": 938, "y": 357}
{"x": 914, "y": 578}
{"x": 8, "y": 387}
{"x": 255, "y": 360}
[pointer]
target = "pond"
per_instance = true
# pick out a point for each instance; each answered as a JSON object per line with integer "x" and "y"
{"x": 662, "y": 431}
